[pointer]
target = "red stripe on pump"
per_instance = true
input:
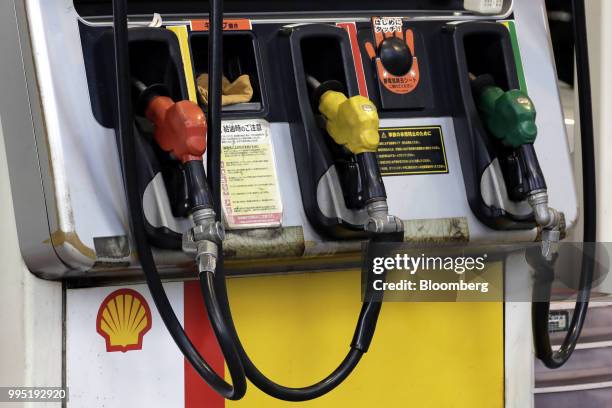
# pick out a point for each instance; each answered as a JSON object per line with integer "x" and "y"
{"x": 197, "y": 393}
{"x": 351, "y": 29}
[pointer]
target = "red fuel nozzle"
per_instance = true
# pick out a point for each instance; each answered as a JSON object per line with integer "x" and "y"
{"x": 180, "y": 128}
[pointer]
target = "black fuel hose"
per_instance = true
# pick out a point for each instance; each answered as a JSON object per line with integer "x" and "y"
{"x": 543, "y": 347}
{"x": 370, "y": 310}
{"x": 127, "y": 152}
{"x": 362, "y": 338}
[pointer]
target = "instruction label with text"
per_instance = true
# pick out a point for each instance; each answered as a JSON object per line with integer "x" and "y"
{"x": 412, "y": 150}
{"x": 249, "y": 183}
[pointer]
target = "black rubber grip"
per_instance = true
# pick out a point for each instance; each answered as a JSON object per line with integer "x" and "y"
{"x": 199, "y": 194}
{"x": 533, "y": 176}
{"x": 373, "y": 186}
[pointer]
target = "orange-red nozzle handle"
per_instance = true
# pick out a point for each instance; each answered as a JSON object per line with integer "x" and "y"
{"x": 180, "y": 128}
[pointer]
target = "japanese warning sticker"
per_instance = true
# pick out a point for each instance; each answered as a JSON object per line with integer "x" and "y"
{"x": 412, "y": 150}
{"x": 249, "y": 183}
{"x": 387, "y": 24}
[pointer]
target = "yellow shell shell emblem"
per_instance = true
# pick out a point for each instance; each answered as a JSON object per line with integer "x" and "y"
{"x": 123, "y": 319}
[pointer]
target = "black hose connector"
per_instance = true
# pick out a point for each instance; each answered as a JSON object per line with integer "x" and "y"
{"x": 369, "y": 171}
{"x": 198, "y": 191}
{"x": 533, "y": 178}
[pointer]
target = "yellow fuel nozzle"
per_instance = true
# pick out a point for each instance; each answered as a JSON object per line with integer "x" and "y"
{"x": 351, "y": 122}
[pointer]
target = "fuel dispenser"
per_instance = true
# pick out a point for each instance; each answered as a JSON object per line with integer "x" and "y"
{"x": 502, "y": 121}
{"x": 317, "y": 133}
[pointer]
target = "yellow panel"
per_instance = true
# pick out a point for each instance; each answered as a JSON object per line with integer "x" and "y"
{"x": 183, "y": 39}
{"x": 297, "y": 328}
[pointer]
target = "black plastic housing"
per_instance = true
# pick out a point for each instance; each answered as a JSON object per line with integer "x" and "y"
{"x": 323, "y": 51}
{"x": 241, "y": 56}
{"x": 155, "y": 58}
{"x": 480, "y": 48}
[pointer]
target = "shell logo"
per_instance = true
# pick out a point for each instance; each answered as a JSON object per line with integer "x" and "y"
{"x": 123, "y": 319}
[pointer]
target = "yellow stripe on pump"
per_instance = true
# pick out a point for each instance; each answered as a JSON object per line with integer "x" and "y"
{"x": 183, "y": 39}
{"x": 351, "y": 122}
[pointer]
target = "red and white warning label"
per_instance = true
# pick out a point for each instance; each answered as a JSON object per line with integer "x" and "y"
{"x": 249, "y": 182}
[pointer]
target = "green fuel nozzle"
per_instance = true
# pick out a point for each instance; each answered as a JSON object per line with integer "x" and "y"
{"x": 510, "y": 118}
